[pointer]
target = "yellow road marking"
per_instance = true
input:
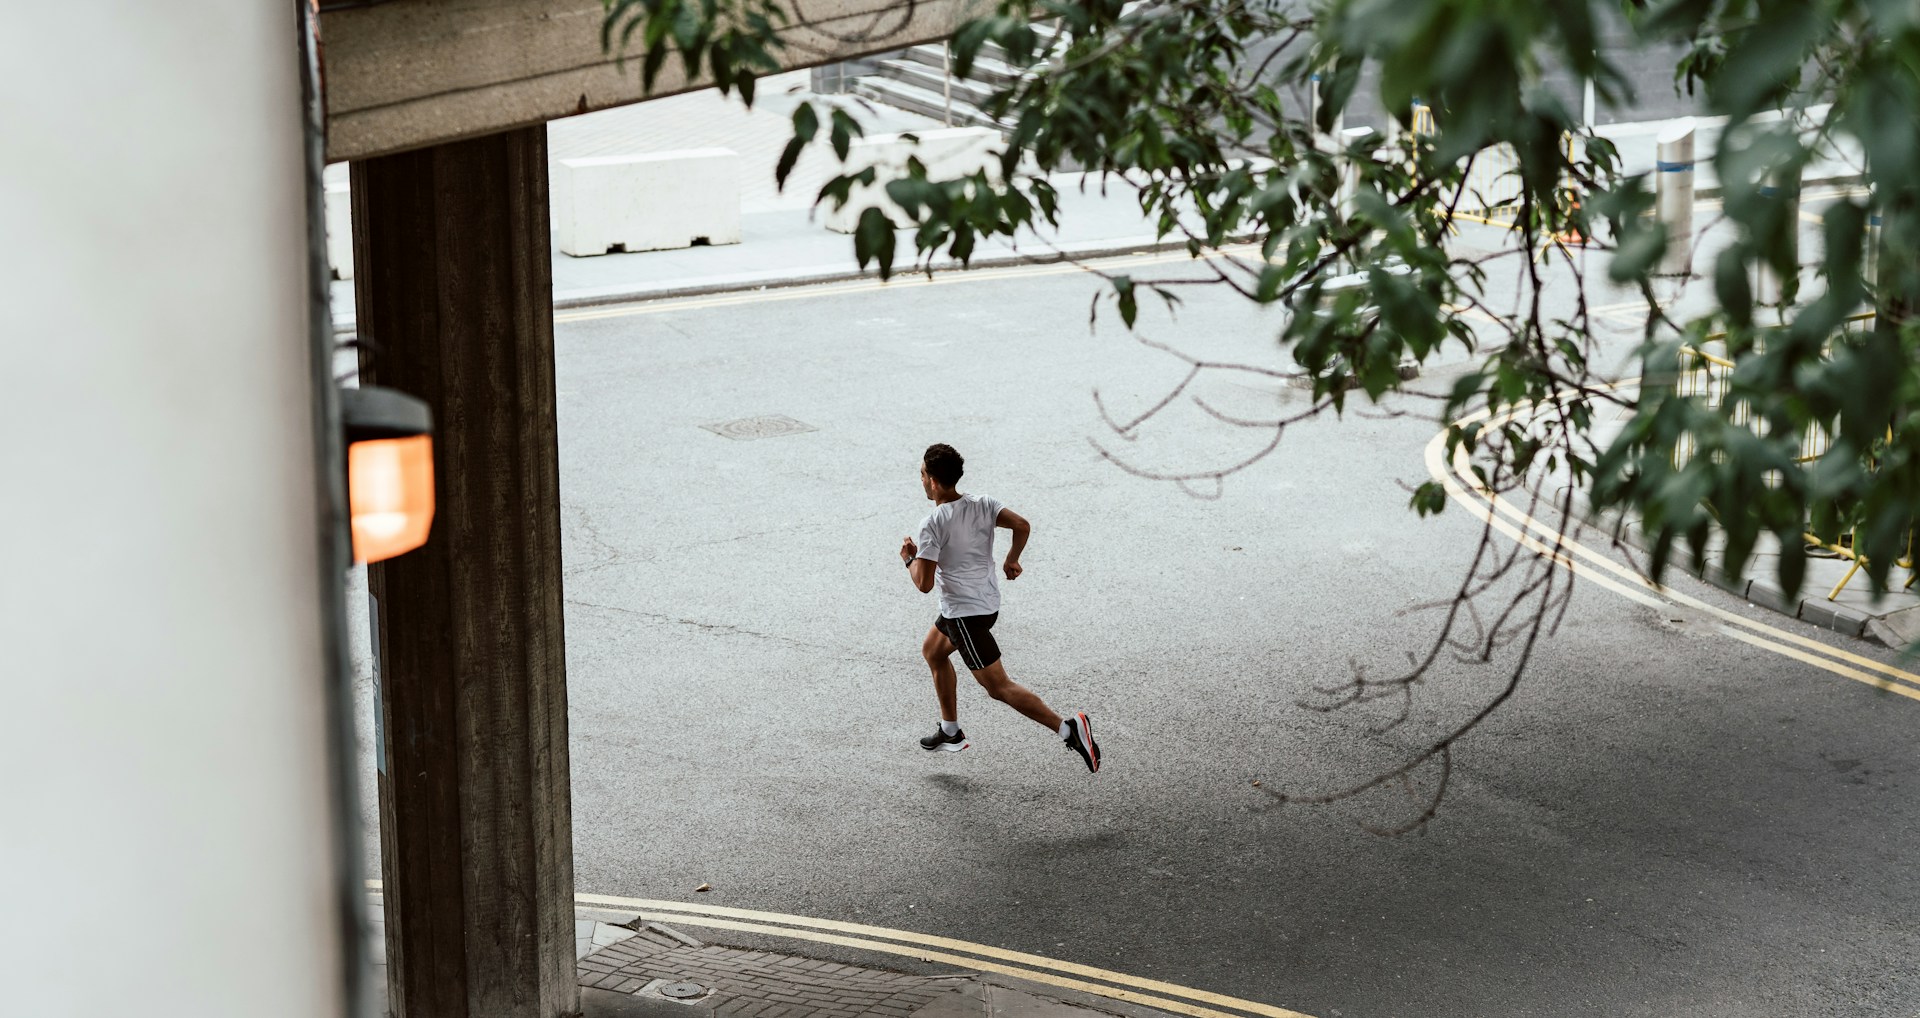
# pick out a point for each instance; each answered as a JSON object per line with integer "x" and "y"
{"x": 927, "y": 947}
{"x": 945, "y": 277}
{"x": 1460, "y": 483}
{"x": 1468, "y": 217}
{"x": 1717, "y": 201}
{"x": 1476, "y": 503}
{"x": 905, "y": 280}
{"x": 1875, "y": 681}
{"x": 1606, "y": 562}
{"x": 1021, "y": 957}
{"x": 976, "y": 964}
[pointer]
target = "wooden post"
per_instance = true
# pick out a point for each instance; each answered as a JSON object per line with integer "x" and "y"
{"x": 454, "y": 291}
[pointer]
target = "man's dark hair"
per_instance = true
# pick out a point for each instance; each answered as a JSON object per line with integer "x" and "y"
{"x": 944, "y": 464}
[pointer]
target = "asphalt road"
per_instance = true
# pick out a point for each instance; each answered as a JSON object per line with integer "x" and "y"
{"x": 1662, "y": 821}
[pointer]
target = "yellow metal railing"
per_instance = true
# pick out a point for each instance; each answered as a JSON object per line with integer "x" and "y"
{"x": 1707, "y": 378}
{"x": 1490, "y": 195}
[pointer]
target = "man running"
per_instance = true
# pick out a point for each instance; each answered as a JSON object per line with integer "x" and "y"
{"x": 955, "y": 553}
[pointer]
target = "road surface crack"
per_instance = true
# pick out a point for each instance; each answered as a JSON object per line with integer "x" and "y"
{"x": 726, "y": 629}
{"x": 605, "y": 552}
{"x": 721, "y": 628}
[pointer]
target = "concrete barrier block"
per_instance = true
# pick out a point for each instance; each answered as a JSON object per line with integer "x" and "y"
{"x": 946, "y": 152}
{"x": 340, "y": 230}
{"x": 654, "y": 202}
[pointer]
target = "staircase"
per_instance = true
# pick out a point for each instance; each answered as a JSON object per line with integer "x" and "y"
{"x": 918, "y": 80}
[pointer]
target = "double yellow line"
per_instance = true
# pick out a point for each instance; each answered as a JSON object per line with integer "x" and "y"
{"x": 1601, "y": 569}
{"x": 962, "y": 954}
{"x": 906, "y": 280}
{"x": 947, "y": 951}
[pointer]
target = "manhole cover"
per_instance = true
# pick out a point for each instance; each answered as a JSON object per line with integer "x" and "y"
{"x": 769, "y": 426}
{"x": 682, "y": 991}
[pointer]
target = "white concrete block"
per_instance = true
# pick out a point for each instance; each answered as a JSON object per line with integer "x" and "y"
{"x": 646, "y": 202}
{"x": 340, "y": 230}
{"x": 947, "y": 153}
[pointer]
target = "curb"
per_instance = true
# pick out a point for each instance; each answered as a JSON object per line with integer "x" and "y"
{"x": 784, "y": 279}
{"x": 1716, "y": 190}
{"x": 781, "y": 279}
{"x": 1765, "y": 593}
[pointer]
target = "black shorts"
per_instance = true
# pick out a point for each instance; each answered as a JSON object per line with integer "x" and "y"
{"x": 972, "y": 636}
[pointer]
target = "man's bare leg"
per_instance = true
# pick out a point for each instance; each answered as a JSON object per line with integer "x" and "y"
{"x": 994, "y": 679}
{"x": 938, "y": 650}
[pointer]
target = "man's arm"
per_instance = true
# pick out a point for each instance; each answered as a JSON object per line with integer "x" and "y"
{"x": 1021, "y": 528}
{"x": 920, "y": 570}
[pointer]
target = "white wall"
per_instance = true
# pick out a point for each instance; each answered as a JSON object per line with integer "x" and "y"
{"x": 164, "y": 821}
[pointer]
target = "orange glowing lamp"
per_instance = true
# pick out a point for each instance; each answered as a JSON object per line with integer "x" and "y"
{"x": 389, "y": 471}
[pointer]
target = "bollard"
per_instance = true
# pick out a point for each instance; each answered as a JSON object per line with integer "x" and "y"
{"x": 1313, "y": 107}
{"x": 1872, "y": 272}
{"x": 1784, "y": 186}
{"x": 1673, "y": 192}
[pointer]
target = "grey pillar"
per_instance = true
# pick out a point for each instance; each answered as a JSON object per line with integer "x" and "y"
{"x": 454, "y": 289}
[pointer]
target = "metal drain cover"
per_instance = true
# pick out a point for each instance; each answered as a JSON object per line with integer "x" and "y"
{"x": 682, "y": 991}
{"x": 768, "y": 426}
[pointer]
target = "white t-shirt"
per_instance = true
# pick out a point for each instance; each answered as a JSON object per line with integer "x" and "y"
{"x": 958, "y": 537}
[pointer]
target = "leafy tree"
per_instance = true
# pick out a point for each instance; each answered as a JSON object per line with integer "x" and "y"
{"x": 1205, "y": 108}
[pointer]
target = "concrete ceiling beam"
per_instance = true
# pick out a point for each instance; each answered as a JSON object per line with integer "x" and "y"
{"x": 411, "y": 73}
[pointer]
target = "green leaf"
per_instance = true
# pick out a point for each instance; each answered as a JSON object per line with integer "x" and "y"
{"x": 1731, "y": 287}
{"x": 805, "y": 124}
{"x": 873, "y": 240}
{"x": 1124, "y": 296}
{"x": 845, "y": 129}
{"x": 651, "y": 64}
{"x": 1429, "y": 499}
{"x": 962, "y": 248}
{"x": 1639, "y": 251}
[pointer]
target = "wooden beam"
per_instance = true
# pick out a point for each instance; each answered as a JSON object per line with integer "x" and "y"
{"x": 410, "y": 73}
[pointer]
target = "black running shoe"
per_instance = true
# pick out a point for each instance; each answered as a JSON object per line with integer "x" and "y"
{"x": 941, "y": 742}
{"x": 1080, "y": 740}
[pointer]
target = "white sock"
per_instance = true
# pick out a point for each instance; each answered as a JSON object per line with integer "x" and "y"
{"x": 1066, "y": 729}
{"x": 949, "y": 728}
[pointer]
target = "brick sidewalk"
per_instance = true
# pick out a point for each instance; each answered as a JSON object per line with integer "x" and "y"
{"x": 626, "y": 967}
{"x": 743, "y": 983}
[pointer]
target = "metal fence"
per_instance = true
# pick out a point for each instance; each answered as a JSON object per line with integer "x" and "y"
{"x": 1706, "y": 376}
{"x": 1491, "y": 192}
